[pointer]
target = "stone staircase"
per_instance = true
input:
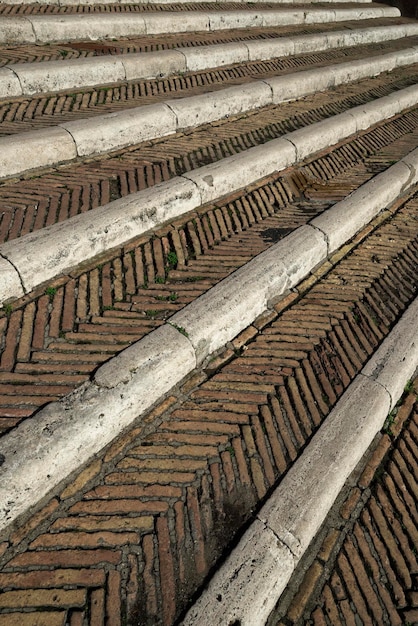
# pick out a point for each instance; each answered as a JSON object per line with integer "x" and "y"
{"x": 187, "y": 286}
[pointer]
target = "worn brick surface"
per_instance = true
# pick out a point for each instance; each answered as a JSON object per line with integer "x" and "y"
{"x": 143, "y": 528}
{"x": 52, "y": 343}
{"x": 130, "y": 538}
{"x": 371, "y": 563}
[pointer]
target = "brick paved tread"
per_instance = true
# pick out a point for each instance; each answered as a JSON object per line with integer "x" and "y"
{"x": 156, "y": 510}
{"x": 30, "y": 53}
{"x": 83, "y": 320}
{"x": 26, "y": 114}
{"x": 365, "y": 570}
{"x": 131, "y": 537}
{"x": 27, "y": 208}
{"x": 35, "y": 8}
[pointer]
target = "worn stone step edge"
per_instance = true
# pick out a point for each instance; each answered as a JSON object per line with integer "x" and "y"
{"x": 27, "y": 79}
{"x": 93, "y": 26}
{"x": 64, "y": 3}
{"x": 28, "y": 151}
{"x": 66, "y": 434}
{"x": 247, "y": 586}
{"x": 35, "y": 258}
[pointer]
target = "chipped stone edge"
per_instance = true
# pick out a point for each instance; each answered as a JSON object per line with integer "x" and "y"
{"x": 294, "y": 513}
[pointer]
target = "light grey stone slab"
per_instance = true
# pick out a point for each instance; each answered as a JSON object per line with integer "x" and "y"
{"x": 341, "y": 222}
{"x": 91, "y": 26}
{"x": 221, "y": 313}
{"x": 40, "y": 148}
{"x": 312, "y": 139}
{"x": 301, "y": 502}
{"x": 411, "y": 160}
{"x": 365, "y": 13}
{"x": 153, "y": 64}
{"x": 298, "y": 506}
{"x": 218, "y": 179}
{"x": 202, "y": 57}
{"x": 226, "y": 20}
{"x": 396, "y": 361}
{"x": 113, "y": 131}
{"x": 16, "y": 30}
{"x": 286, "y": 88}
{"x": 117, "y": 130}
{"x": 384, "y": 108}
{"x": 322, "y": 16}
{"x": 43, "y": 254}
{"x": 65, "y": 435}
{"x": 245, "y": 589}
{"x": 9, "y": 83}
{"x": 175, "y": 22}
{"x": 53, "y": 75}
{"x": 10, "y": 285}
{"x": 270, "y": 48}
{"x": 300, "y": 252}
{"x": 310, "y": 43}
{"x": 156, "y": 360}
{"x": 216, "y": 105}
{"x": 57, "y": 75}
{"x": 48, "y": 28}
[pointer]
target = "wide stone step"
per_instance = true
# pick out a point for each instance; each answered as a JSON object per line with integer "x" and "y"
{"x": 113, "y": 131}
{"x": 207, "y": 457}
{"x": 50, "y": 28}
{"x": 27, "y": 79}
{"x": 27, "y": 262}
{"x": 187, "y": 304}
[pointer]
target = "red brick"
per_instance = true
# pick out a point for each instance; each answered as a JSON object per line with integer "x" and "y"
{"x": 383, "y": 554}
{"x": 66, "y": 558}
{"x": 167, "y": 575}
{"x": 106, "y": 507}
{"x": 34, "y": 521}
{"x": 103, "y": 492}
{"x": 113, "y": 599}
{"x": 9, "y": 350}
{"x": 33, "y": 619}
{"x": 348, "y": 577}
{"x": 282, "y": 428}
{"x": 305, "y": 591}
{"x": 162, "y": 478}
{"x": 48, "y": 579}
{"x": 58, "y": 598}
{"x": 97, "y": 607}
{"x": 330, "y": 607}
{"x": 350, "y": 504}
{"x": 373, "y": 604}
{"x": 101, "y": 539}
{"x": 262, "y": 450}
{"x": 373, "y": 565}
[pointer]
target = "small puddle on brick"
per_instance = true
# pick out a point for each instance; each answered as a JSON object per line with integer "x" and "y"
{"x": 272, "y": 235}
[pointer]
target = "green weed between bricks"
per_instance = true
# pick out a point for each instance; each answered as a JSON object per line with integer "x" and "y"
{"x": 181, "y": 330}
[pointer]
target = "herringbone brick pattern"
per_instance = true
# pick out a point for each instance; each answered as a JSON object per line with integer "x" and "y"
{"x": 133, "y": 536}
{"x": 33, "y": 53}
{"x": 30, "y": 9}
{"x": 366, "y": 570}
{"x": 74, "y": 189}
{"x": 51, "y": 344}
{"x": 26, "y": 114}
